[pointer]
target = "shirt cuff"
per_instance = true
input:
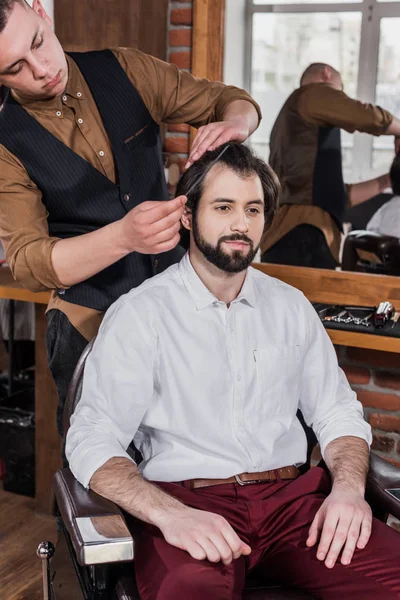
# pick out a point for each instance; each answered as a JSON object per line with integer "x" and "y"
{"x": 84, "y": 464}
{"x": 363, "y": 434}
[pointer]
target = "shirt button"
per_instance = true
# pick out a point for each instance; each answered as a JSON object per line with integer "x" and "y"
{"x": 80, "y": 121}
{"x": 59, "y": 113}
{"x": 101, "y": 153}
{"x": 79, "y": 94}
{"x": 238, "y": 378}
{"x": 127, "y": 197}
{"x": 64, "y": 98}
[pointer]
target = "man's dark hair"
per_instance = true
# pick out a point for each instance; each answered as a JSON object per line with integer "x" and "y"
{"x": 394, "y": 175}
{"x": 6, "y": 7}
{"x": 242, "y": 161}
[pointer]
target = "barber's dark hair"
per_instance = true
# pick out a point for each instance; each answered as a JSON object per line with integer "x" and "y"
{"x": 242, "y": 161}
{"x": 394, "y": 175}
{"x": 6, "y": 7}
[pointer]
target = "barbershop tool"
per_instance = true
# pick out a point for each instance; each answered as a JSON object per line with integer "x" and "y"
{"x": 199, "y": 179}
{"x": 383, "y": 313}
{"x": 395, "y": 318}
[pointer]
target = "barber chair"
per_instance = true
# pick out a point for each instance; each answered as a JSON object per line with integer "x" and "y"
{"x": 371, "y": 252}
{"x": 95, "y": 549}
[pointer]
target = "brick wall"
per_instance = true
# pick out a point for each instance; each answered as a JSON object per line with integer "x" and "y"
{"x": 375, "y": 377}
{"x": 179, "y": 52}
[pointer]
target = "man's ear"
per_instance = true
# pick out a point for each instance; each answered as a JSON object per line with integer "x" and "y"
{"x": 38, "y": 8}
{"x": 186, "y": 219}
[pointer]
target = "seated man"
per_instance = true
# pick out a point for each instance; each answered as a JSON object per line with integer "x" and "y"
{"x": 205, "y": 366}
{"x": 386, "y": 220}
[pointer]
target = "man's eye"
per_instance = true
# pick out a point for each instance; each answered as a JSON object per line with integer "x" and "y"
{"x": 39, "y": 44}
{"x": 254, "y": 211}
{"x": 16, "y": 71}
{"x": 223, "y": 208}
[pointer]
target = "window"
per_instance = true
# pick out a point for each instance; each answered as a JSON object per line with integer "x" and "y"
{"x": 360, "y": 39}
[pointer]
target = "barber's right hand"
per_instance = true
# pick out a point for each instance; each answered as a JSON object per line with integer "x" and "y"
{"x": 204, "y": 535}
{"x": 152, "y": 227}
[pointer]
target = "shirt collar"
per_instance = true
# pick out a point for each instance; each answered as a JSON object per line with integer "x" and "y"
{"x": 74, "y": 89}
{"x": 201, "y": 295}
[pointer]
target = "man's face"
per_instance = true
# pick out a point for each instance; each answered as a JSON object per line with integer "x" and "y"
{"x": 229, "y": 221}
{"x": 32, "y": 61}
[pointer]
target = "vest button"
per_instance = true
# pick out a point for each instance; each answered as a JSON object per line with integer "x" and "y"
{"x": 127, "y": 197}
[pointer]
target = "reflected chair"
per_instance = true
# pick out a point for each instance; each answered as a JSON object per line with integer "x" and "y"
{"x": 95, "y": 549}
{"x": 371, "y": 252}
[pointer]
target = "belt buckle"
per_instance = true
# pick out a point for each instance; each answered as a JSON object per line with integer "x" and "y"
{"x": 250, "y": 482}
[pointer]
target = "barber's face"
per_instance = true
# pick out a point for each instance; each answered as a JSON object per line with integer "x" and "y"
{"x": 229, "y": 221}
{"x": 32, "y": 61}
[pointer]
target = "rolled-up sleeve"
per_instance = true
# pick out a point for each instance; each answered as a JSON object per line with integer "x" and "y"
{"x": 327, "y": 401}
{"x": 175, "y": 96}
{"x": 117, "y": 388}
{"x": 24, "y": 230}
{"x": 325, "y": 106}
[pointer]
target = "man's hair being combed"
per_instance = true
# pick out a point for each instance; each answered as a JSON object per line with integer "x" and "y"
{"x": 242, "y": 161}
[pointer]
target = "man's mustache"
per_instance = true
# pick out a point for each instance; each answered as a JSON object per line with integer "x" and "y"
{"x": 236, "y": 237}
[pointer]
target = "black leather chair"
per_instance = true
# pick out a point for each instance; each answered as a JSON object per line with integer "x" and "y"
{"x": 95, "y": 549}
{"x": 371, "y": 252}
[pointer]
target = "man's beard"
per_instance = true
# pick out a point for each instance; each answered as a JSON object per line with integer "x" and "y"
{"x": 230, "y": 263}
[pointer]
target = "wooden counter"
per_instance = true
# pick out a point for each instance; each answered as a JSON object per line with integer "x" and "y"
{"x": 347, "y": 288}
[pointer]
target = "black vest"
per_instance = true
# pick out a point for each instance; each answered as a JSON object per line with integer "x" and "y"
{"x": 80, "y": 199}
{"x": 329, "y": 191}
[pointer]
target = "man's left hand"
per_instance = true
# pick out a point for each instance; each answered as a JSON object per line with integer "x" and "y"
{"x": 344, "y": 521}
{"x": 213, "y": 135}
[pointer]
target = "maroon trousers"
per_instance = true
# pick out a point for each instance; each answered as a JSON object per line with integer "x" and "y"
{"x": 274, "y": 519}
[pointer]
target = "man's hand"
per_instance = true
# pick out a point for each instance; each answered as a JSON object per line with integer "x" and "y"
{"x": 152, "y": 227}
{"x": 202, "y": 534}
{"x": 345, "y": 520}
{"x": 213, "y": 135}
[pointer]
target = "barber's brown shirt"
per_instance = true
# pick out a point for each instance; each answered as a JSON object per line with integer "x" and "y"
{"x": 170, "y": 95}
{"x": 293, "y": 149}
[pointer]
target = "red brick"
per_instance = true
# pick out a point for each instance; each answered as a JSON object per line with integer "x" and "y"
{"x": 183, "y": 60}
{"x": 180, "y": 128}
{"x": 379, "y": 400}
{"x": 177, "y": 144}
{"x": 180, "y": 37}
{"x": 385, "y": 422}
{"x": 385, "y": 379}
{"x": 358, "y": 375}
{"x": 388, "y": 360}
{"x": 181, "y": 16}
{"x": 383, "y": 443}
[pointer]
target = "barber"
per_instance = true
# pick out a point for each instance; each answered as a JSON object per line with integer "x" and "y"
{"x": 83, "y": 207}
{"x": 305, "y": 152}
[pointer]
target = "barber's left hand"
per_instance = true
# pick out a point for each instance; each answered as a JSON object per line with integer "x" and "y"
{"x": 345, "y": 520}
{"x": 213, "y": 135}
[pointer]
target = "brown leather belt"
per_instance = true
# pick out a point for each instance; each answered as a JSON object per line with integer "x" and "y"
{"x": 290, "y": 472}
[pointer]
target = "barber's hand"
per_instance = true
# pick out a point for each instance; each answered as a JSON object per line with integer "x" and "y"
{"x": 152, "y": 227}
{"x": 213, "y": 135}
{"x": 203, "y": 535}
{"x": 345, "y": 520}
{"x": 397, "y": 144}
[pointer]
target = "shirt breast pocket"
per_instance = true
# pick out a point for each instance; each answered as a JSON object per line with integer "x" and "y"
{"x": 278, "y": 377}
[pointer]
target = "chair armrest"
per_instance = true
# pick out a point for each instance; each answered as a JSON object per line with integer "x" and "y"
{"x": 95, "y": 525}
{"x": 383, "y": 476}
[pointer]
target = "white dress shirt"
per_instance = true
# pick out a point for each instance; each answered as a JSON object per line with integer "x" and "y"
{"x": 206, "y": 390}
{"x": 386, "y": 220}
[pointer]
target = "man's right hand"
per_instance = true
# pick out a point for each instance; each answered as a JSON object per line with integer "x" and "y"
{"x": 153, "y": 227}
{"x": 202, "y": 534}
